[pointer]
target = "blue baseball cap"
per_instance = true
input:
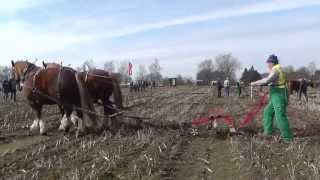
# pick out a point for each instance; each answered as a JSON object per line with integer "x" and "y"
{"x": 273, "y": 59}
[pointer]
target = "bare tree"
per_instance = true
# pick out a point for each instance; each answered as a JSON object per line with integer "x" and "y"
{"x": 207, "y": 64}
{"x": 317, "y": 75}
{"x": 123, "y": 71}
{"x": 142, "y": 73}
{"x": 155, "y": 71}
{"x": 88, "y": 64}
{"x": 250, "y": 75}
{"x": 109, "y": 66}
{"x": 5, "y": 72}
{"x": 302, "y": 72}
{"x": 207, "y": 73}
{"x": 228, "y": 64}
{"x": 290, "y": 72}
{"x": 312, "y": 67}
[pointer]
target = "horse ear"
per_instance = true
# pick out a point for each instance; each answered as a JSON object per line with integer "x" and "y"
{"x": 12, "y": 63}
{"x": 44, "y": 64}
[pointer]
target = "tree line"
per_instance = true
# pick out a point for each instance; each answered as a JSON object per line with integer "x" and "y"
{"x": 222, "y": 67}
{"x": 226, "y": 66}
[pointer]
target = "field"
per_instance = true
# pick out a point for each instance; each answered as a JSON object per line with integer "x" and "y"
{"x": 161, "y": 146}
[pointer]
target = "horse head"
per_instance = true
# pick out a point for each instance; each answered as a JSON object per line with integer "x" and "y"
{"x": 19, "y": 71}
{"x": 50, "y": 65}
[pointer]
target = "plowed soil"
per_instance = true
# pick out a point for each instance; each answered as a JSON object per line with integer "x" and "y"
{"x": 161, "y": 144}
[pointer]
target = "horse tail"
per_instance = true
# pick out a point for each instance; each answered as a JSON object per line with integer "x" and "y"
{"x": 86, "y": 105}
{"x": 117, "y": 94}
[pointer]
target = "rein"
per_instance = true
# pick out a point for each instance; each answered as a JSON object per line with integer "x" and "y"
{"x": 247, "y": 119}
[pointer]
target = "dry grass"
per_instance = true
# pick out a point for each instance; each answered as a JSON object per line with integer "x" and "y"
{"x": 151, "y": 153}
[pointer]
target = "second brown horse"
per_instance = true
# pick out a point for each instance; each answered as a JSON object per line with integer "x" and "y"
{"x": 101, "y": 85}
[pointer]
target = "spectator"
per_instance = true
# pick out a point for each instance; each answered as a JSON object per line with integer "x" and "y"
{"x": 227, "y": 87}
{"x": 6, "y": 89}
{"x": 13, "y": 89}
{"x": 219, "y": 88}
{"x": 303, "y": 89}
{"x": 239, "y": 88}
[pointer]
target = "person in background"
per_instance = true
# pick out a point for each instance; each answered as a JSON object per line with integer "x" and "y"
{"x": 13, "y": 89}
{"x": 154, "y": 84}
{"x": 226, "y": 85}
{"x": 6, "y": 89}
{"x": 278, "y": 102}
{"x": 219, "y": 88}
{"x": 239, "y": 88}
{"x": 303, "y": 89}
{"x": 131, "y": 86}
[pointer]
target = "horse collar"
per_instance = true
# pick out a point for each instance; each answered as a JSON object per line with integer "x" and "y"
{"x": 27, "y": 70}
{"x": 34, "y": 79}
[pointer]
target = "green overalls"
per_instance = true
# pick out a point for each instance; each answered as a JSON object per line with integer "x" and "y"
{"x": 277, "y": 108}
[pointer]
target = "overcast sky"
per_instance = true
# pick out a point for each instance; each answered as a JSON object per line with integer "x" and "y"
{"x": 180, "y": 33}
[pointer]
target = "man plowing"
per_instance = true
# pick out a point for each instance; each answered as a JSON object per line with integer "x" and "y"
{"x": 278, "y": 101}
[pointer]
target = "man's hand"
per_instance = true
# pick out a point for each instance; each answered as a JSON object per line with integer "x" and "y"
{"x": 253, "y": 84}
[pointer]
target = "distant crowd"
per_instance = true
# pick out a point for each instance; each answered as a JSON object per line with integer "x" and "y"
{"x": 9, "y": 89}
{"x": 299, "y": 86}
{"x": 141, "y": 85}
{"x": 226, "y": 86}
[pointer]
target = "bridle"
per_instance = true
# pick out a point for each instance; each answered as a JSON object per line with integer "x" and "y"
{"x": 26, "y": 70}
{"x": 29, "y": 67}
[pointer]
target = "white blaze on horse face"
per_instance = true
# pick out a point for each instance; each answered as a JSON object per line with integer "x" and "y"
{"x": 21, "y": 84}
{"x": 43, "y": 129}
{"x": 35, "y": 125}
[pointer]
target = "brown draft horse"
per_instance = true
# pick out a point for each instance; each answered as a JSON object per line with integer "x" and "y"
{"x": 101, "y": 85}
{"x": 44, "y": 87}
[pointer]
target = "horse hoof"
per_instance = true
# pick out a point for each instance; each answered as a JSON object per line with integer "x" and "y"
{"x": 43, "y": 133}
{"x": 79, "y": 134}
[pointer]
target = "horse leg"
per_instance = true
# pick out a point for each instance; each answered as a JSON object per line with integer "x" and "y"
{"x": 306, "y": 95}
{"x": 63, "y": 116}
{"x": 108, "y": 111}
{"x": 38, "y": 122}
{"x": 66, "y": 121}
{"x": 37, "y": 110}
{"x": 81, "y": 126}
{"x": 74, "y": 119}
{"x": 107, "y": 104}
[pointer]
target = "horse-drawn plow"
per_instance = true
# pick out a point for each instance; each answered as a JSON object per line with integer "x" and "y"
{"x": 157, "y": 137}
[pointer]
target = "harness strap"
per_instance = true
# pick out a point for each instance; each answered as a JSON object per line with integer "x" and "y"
{"x": 34, "y": 80}
{"x": 59, "y": 82}
{"x": 86, "y": 77}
